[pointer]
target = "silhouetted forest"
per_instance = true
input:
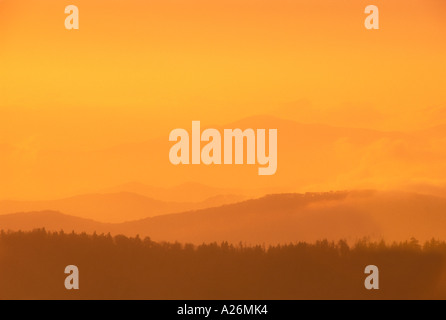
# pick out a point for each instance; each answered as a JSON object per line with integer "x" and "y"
{"x": 32, "y": 267}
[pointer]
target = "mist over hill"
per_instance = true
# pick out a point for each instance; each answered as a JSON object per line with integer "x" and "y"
{"x": 273, "y": 219}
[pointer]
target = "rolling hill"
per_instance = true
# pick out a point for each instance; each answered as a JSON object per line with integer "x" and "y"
{"x": 273, "y": 219}
{"x": 113, "y": 207}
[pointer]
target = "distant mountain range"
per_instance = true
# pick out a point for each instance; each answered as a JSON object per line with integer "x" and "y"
{"x": 114, "y": 207}
{"x": 311, "y": 157}
{"x": 272, "y": 219}
{"x": 186, "y": 192}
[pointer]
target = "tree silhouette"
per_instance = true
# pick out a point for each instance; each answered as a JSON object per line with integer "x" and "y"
{"x": 32, "y": 265}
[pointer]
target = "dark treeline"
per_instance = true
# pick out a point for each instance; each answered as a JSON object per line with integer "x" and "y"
{"x": 32, "y": 267}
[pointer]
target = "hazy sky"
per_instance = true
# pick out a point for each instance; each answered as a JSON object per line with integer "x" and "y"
{"x": 138, "y": 69}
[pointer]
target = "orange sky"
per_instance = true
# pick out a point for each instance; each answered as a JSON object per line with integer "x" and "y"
{"x": 137, "y": 69}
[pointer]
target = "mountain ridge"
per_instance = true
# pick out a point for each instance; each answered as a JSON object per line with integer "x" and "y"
{"x": 111, "y": 207}
{"x": 274, "y": 219}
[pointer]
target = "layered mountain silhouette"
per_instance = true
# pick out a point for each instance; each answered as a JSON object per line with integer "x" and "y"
{"x": 185, "y": 192}
{"x": 113, "y": 207}
{"x": 311, "y": 157}
{"x": 280, "y": 218}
